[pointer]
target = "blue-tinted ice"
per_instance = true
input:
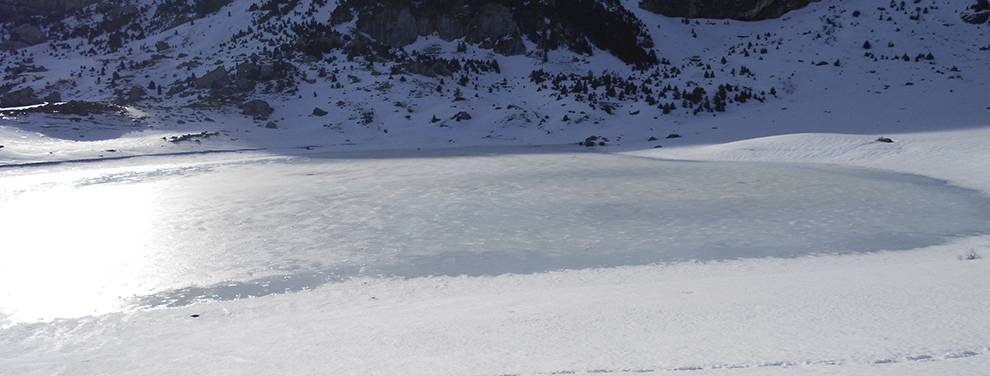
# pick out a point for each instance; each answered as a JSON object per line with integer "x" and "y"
{"x": 256, "y": 226}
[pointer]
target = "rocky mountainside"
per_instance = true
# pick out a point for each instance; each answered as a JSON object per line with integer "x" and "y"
{"x": 30, "y": 11}
{"x": 501, "y": 25}
{"x": 749, "y": 10}
{"x": 363, "y": 72}
{"x": 498, "y": 25}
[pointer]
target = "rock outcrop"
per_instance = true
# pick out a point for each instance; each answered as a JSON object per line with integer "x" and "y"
{"x": 397, "y": 23}
{"x": 25, "y": 35}
{"x": 451, "y": 26}
{"x": 502, "y": 25}
{"x": 215, "y": 79}
{"x": 389, "y": 23}
{"x": 748, "y": 10}
{"x": 248, "y": 74}
{"x": 493, "y": 28}
{"x": 978, "y": 13}
{"x": 23, "y": 97}
{"x": 23, "y": 10}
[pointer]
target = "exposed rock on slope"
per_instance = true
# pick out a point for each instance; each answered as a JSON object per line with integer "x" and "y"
{"x": 494, "y": 28}
{"x": 393, "y": 24}
{"x": 29, "y": 34}
{"x": 390, "y": 23}
{"x": 749, "y": 10}
{"x": 978, "y": 13}
{"x": 216, "y": 78}
{"x": 21, "y": 97}
{"x": 23, "y": 10}
{"x": 501, "y": 25}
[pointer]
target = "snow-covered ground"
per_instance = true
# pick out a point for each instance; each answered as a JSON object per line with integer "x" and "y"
{"x": 922, "y": 311}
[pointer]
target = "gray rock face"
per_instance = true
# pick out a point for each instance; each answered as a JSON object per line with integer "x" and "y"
{"x": 451, "y": 27}
{"x": 27, "y": 35}
{"x": 23, "y": 97}
{"x": 216, "y": 78}
{"x": 493, "y": 23}
{"x": 749, "y": 10}
{"x": 494, "y": 28}
{"x": 257, "y": 108}
{"x": 393, "y": 25}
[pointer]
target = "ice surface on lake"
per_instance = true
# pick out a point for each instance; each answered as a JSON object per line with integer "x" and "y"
{"x": 82, "y": 238}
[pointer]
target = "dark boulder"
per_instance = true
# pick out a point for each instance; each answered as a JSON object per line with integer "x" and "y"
{"x": 590, "y": 141}
{"x": 257, "y": 108}
{"x": 975, "y": 18}
{"x": 319, "y": 112}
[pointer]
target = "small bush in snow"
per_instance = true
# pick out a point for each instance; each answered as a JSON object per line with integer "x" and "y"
{"x": 971, "y": 255}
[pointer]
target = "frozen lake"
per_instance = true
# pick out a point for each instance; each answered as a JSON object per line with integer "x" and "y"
{"x": 85, "y": 238}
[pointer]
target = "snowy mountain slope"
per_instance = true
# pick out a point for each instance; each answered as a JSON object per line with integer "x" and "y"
{"x": 380, "y": 104}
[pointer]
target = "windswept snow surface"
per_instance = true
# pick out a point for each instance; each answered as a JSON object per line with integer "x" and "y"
{"x": 913, "y": 312}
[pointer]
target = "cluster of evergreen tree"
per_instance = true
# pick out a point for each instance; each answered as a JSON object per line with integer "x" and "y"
{"x": 118, "y": 27}
{"x": 600, "y": 90}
